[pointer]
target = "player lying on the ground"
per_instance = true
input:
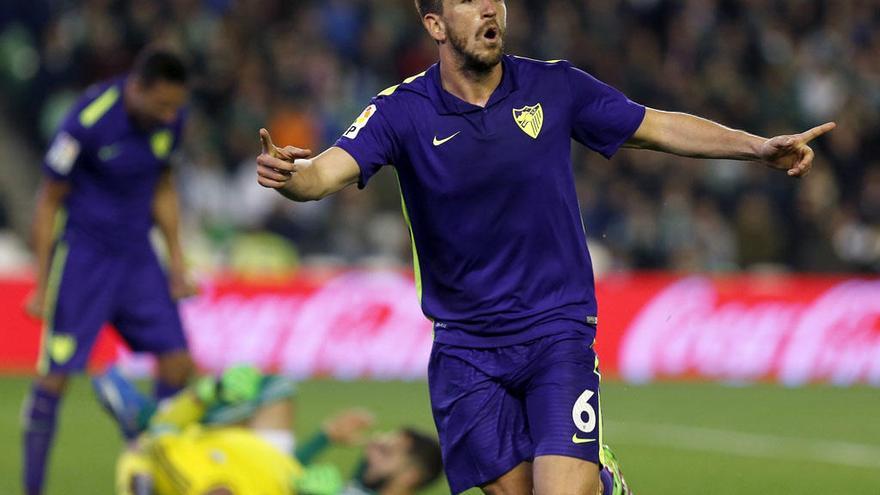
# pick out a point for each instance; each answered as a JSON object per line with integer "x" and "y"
{"x": 481, "y": 144}
{"x": 231, "y": 436}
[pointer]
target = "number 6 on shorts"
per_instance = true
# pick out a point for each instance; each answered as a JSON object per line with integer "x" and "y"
{"x": 582, "y": 405}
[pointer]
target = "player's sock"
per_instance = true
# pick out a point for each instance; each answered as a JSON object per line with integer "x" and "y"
{"x": 40, "y": 415}
{"x": 162, "y": 390}
{"x": 607, "y": 481}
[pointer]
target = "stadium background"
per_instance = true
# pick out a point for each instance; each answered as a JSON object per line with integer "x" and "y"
{"x": 306, "y": 68}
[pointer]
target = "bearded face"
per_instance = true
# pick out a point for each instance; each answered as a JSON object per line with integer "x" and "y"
{"x": 479, "y": 52}
{"x": 475, "y": 31}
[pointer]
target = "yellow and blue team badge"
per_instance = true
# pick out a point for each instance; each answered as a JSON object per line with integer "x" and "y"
{"x": 529, "y": 119}
{"x": 160, "y": 143}
{"x": 62, "y": 347}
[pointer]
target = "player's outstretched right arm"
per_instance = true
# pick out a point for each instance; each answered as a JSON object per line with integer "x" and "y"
{"x": 289, "y": 170}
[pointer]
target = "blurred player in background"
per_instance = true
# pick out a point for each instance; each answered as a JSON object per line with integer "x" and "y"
{"x": 224, "y": 435}
{"x": 106, "y": 182}
{"x": 481, "y": 144}
{"x": 399, "y": 462}
{"x": 231, "y": 435}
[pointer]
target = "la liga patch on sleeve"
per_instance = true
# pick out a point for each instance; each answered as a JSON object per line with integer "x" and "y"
{"x": 63, "y": 153}
{"x": 360, "y": 122}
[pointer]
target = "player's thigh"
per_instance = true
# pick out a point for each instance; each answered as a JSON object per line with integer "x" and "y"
{"x": 517, "y": 481}
{"x": 175, "y": 367}
{"x": 481, "y": 426}
{"x": 80, "y": 294}
{"x": 562, "y": 400}
{"x": 563, "y": 475}
{"x": 145, "y": 315}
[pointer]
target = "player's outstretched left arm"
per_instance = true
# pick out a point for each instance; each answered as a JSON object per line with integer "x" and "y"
{"x": 687, "y": 135}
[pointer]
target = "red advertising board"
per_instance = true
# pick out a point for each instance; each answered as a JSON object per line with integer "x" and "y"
{"x": 791, "y": 329}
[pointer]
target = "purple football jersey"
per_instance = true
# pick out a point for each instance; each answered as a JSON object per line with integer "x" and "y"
{"x": 500, "y": 250}
{"x": 112, "y": 165}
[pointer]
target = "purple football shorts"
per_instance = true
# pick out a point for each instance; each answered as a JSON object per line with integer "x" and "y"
{"x": 89, "y": 286}
{"x": 497, "y": 407}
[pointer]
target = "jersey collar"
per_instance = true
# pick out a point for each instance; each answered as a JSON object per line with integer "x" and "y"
{"x": 447, "y": 103}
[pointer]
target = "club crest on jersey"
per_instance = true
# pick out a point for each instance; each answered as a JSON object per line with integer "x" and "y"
{"x": 529, "y": 119}
{"x": 360, "y": 122}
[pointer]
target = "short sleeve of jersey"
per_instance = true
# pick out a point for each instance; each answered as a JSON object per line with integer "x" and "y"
{"x": 66, "y": 148}
{"x": 371, "y": 140}
{"x": 603, "y": 118}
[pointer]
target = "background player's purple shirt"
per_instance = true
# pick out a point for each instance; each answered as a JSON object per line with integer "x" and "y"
{"x": 112, "y": 165}
{"x": 489, "y": 192}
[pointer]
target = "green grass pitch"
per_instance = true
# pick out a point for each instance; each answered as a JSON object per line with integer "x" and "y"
{"x": 685, "y": 438}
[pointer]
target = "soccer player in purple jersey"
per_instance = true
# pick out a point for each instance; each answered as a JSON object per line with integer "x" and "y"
{"x": 106, "y": 183}
{"x": 481, "y": 145}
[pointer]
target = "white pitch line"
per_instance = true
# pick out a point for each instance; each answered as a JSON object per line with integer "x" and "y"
{"x": 745, "y": 444}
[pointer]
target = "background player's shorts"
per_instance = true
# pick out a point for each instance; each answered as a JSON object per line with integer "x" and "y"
{"x": 89, "y": 286}
{"x": 199, "y": 459}
{"x": 497, "y": 407}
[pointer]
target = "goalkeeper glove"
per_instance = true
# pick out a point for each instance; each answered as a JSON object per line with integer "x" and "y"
{"x": 236, "y": 385}
{"x": 319, "y": 479}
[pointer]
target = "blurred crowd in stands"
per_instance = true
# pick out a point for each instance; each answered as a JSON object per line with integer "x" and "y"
{"x": 306, "y": 68}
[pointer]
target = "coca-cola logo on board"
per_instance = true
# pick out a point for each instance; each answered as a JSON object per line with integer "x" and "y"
{"x": 685, "y": 331}
{"x": 357, "y": 324}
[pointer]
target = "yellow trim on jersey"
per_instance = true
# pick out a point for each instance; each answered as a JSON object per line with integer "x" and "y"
{"x": 390, "y": 91}
{"x": 413, "y": 78}
{"x": 99, "y": 107}
{"x": 416, "y": 268}
{"x": 599, "y": 412}
{"x": 47, "y": 344}
{"x": 51, "y": 294}
{"x": 59, "y": 224}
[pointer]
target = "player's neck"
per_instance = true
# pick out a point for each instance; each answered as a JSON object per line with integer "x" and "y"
{"x": 473, "y": 87}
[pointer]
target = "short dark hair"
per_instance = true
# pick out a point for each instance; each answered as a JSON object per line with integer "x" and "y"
{"x": 159, "y": 64}
{"x": 424, "y": 451}
{"x": 426, "y": 7}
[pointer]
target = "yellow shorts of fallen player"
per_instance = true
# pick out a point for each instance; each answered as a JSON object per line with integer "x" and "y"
{"x": 201, "y": 459}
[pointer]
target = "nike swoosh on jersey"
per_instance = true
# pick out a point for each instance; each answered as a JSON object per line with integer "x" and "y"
{"x": 576, "y": 439}
{"x": 438, "y": 142}
{"x": 109, "y": 152}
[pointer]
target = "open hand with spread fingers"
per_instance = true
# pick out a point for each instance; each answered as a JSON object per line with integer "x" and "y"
{"x": 791, "y": 153}
{"x": 276, "y": 166}
{"x": 349, "y": 426}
